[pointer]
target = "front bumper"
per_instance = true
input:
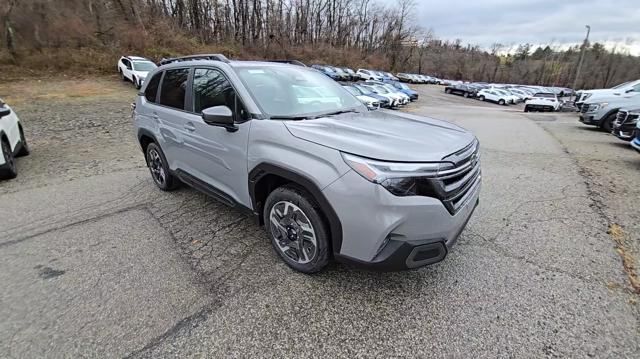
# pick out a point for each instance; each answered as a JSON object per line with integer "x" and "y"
{"x": 624, "y": 132}
{"x": 385, "y": 232}
{"x": 588, "y": 119}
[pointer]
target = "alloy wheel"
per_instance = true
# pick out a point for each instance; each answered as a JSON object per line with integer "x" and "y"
{"x": 156, "y": 167}
{"x": 293, "y": 232}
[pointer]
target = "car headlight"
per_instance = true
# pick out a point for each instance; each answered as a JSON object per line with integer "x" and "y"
{"x": 598, "y": 106}
{"x": 401, "y": 179}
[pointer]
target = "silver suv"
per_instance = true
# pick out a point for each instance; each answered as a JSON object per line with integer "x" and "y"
{"x": 328, "y": 178}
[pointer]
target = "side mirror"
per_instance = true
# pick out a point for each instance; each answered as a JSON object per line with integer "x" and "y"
{"x": 219, "y": 116}
{"x": 4, "y": 112}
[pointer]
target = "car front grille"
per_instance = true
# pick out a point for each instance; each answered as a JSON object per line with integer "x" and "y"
{"x": 585, "y": 107}
{"x": 458, "y": 184}
{"x": 620, "y": 118}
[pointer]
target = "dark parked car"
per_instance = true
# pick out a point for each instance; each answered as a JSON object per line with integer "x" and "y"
{"x": 327, "y": 71}
{"x": 351, "y": 73}
{"x": 625, "y": 124}
{"x": 460, "y": 89}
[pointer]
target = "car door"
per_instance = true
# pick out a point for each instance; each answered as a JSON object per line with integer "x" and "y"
{"x": 217, "y": 155}
{"x": 169, "y": 114}
{"x": 127, "y": 68}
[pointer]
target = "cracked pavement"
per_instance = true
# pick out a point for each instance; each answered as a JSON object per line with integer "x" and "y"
{"x": 96, "y": 262}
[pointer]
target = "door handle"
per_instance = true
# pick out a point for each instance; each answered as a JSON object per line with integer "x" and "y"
{"x": 155, "y": 116}
{"x": 189, "y": 127}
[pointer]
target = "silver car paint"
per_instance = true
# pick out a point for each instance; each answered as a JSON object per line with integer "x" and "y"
{"x": 367, "y": 211}
{"x": 385, "y": 135}
{"x": 403, "y": 218}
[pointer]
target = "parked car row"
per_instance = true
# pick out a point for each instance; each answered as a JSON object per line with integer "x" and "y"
{"x": 536, "y": 98}
{"x": 615, "y": 110}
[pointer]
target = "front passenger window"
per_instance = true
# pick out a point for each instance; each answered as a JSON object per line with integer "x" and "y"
{"x": 211, "y": 88}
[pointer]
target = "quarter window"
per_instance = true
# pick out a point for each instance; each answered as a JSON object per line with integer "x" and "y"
{"x": 174, "y": 87}
{"x": 152, "y": 88}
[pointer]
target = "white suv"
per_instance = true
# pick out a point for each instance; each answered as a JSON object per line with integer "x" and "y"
{"x": 12, "y": 142}
{"x": 135, "y": 69}
{"x": 368, "y": 75}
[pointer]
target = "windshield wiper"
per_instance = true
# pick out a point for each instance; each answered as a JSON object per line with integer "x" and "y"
{"x": 336, "y": 113}
{"x": 290, "y": 118}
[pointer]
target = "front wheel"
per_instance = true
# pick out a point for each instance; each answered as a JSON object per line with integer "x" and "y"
{"x": 481, "y": 98}
{"x": 526, "y": 109}
{"x": 466, "y": 95}
{"x": 294, "y": 222}
{"x": 501, "y": 102}
{"x": 607, "y": 124}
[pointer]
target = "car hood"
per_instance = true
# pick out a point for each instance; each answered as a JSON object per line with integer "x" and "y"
{"x": 141, "y": 74}
{"x": 366, "y": 98}
{"x": 384, "y": 135}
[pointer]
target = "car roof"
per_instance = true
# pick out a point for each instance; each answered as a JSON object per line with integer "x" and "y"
{"x": 136, "y": 58}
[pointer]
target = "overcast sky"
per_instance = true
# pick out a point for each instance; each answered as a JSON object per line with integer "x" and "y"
{"x": 509, "y": 22}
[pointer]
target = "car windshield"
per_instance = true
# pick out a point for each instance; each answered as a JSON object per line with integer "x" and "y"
{"x": 143, "y": 66}
{"x": 364, "y": 90}
{"x": 621, "y": 85}
{"x": 352, "y": 90}
{"x": 380, "y": 89}
{"x": 288, "y": 91}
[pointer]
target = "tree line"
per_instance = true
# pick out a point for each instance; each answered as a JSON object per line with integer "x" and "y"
{"x": 86, "y": 34}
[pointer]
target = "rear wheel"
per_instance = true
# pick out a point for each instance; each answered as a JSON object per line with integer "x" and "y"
{"x": 501, "y": 102}
{"x": 8, "y": 170}
{"x": 447, "y": 91}
{"x": 294, "y": 222}
{"x": 466, "y": 94}
{"x": 159, "y": 168}
{"x": 481, "y": 98}
{"x": 526, "y": 109}
{"x": 122, "y": 76}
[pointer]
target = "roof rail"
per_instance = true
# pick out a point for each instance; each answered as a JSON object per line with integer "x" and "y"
{"x": 213, "y": 57}
{"x": 291, "y": 62}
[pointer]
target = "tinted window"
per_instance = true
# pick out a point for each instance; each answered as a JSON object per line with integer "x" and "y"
{"x": 174, "y": 87}
{"x": 152, "y": 88}
{"x": 211, "y": 88}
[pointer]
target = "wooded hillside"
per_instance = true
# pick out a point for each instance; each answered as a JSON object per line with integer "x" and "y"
{"x": 88, "y": 36}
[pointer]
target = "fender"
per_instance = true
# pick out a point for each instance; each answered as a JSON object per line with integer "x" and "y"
{"x": 263, "y": 169}
{"x": 148, "y": 133}
{"x": 601, "y": 122}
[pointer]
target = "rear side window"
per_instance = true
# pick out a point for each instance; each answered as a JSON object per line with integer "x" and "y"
{"x": 152, "y": 88}
{"x": 174, "y": 88}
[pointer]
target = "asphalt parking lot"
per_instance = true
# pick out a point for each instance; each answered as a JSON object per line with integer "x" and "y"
{"x": 96, "y": 262}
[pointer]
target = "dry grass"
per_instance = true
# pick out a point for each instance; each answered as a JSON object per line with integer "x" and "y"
{"x": 620, "y": 237}
{"x": 61, "y": 88}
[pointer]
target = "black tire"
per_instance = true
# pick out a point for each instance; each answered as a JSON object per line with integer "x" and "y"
{"x": 24, "y": 149}
{"x": 501, "y": 102}
{"x": 447, "y": 91}
{"x": 607, "y": 123}
{"x": 8, "y": 170}
{"x": 481, "y": 98}
{"x": 526, "y": 109}
{"x": 122, "y": 77}
{"x": 311, "y": 210}
{"x": 136, "y": 83}
{"x": 159, "y": 169}
{"x": 466, "y": 95}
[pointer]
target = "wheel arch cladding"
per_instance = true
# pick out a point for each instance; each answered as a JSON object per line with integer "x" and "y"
{"x": 145, "y": 137}
{"x": 607, "y": 115}
{"x": 266, "y": 177}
